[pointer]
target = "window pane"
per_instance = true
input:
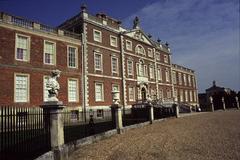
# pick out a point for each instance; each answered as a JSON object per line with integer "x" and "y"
{"x": 99, "y": 92}
{"x": 72, "y": 57}
{"x": 98, "y": 61}
{"x": 72, "y": 90}
{"x": 21, "y": 88}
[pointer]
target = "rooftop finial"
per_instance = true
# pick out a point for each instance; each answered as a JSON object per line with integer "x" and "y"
{"x": 84, "y": 7}
{"x": 167, "y": 44}
{"x": 136, "y": 23}
{"x": 158, "y": 40}
{"x": 214, "y": 83}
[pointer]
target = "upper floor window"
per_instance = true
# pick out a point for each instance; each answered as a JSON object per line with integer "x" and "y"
{"x": 130, "y": 67}
{"x": 49, "y": 53}
{"x": 99, "y": 92}
{"x": 179, "y": 78}
{"x": 97, "y": 35}
{"x": 128, "y": 45}
{"x": 150, "y": 52}
{"x": 158, "y": 56}
{"x": 159, "y": 74}
{"x": 98, "y": 61}
{"x": 72, "y": 57}
{"x": 151, "y": 72}
{"x": 131, "y": 92}
{"x": 184, "y": 79}
{"x": 72, "y": 90}
{"x": 21, "y": 93}
{"x": 114, "y": 65}
{"x": 193, "y": 81}
{"x": 167, "y": 75}
{"x": 174, "y": 77}
{"x": 165, "y": 59}
{"x": 140, "y": 50}
{"x": 113, "y": 41}
{"x": 22, "y": 51}
{"x": 189, "y": 80}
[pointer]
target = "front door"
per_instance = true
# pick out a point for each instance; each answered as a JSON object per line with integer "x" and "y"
{"x": 144, "y": 96}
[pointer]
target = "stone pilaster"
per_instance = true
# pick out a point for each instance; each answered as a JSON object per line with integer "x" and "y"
{"x": 117, "y": 113}
{"x": 53, "y": 113}
{"x": 236, "y": 98}
{"x": 211, "y": 103}
{"x": 224, "y": 105}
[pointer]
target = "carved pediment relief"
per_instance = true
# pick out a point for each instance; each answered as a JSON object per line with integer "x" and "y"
{"x": 139, "y": 35}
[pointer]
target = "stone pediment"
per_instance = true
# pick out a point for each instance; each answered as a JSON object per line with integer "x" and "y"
{"x": 138, "y": 34}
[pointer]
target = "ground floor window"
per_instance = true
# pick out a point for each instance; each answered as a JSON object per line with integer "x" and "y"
{"x": 21, "y": 88}
{"x": 99, "y": 92}
{"x": 131, "y": 92}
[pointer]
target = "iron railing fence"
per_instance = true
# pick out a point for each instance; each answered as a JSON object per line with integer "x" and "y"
{"x": 77, "y": 126}
{"x": 24, "y": 133}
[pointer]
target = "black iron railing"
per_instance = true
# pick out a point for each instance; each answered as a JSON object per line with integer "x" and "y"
{"x": 76, "y": 126}
{"x": 24, "y": 134}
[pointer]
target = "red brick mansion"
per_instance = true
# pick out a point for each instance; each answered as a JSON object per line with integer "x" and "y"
{"x": 95, "y": 55}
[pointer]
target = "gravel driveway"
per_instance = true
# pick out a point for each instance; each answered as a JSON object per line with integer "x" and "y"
{"x": 202, "y": 137}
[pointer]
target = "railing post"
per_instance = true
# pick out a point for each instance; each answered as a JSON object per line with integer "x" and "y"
{"x": 54, "y": 111}
{"x": 176, "y": 109}
{"x": 224, "y": 106}
{"x": 211, "y": 103}
{"x": 151, "y": 112}
{"x": 236, "y": 98}
{"x": 116, "y": 109}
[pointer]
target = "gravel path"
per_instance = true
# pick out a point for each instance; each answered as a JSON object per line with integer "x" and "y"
{"x": 209, "y": 136}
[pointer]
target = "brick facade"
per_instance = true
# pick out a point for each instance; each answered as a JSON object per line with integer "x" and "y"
{"x": 86, "y": 73}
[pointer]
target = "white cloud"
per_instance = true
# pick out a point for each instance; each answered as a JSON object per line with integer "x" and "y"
{"x": 203, "y": 35}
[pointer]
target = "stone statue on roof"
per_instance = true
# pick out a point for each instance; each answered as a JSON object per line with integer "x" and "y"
{"x": 136, "y": 23}
{"x": 53, "y": 85}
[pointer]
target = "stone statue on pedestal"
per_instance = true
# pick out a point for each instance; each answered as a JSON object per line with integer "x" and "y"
{"x": 53, "y": 86}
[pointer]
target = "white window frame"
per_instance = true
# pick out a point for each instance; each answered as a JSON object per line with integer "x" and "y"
{"x": 165, "y": 59}
{"x": 167, "y": 75}
{"x": 129, "y": 47}
{"x": 184, "y": 79}
{"x": 159, "y": 74}
{"x": 101, "y": 61}
{"x": 116, "y": 58}
{"x": 189, "y": 80}
{"x": 94, "y": 35}
{"x": 76, "y": 56}
{"x": 77, "y": 90}
{"x": 102, "y": 93}
{"x": 112, "y": 42}
{"x": 45, "y": 91}
{"x": 137, "y": 51}
{"x": 28, "y": 88}
{"x": 151, "y": 72}
{"x": 130, "y": 69}
{"x": 150, "y": 52}
{"x": 158, "y": 56}
{"x": 54, "y": 60}
{"x": 174, "y": 77}
{"x": 28, "y": 47}
{"x": 131, "y": 99}
{"x": 179, "y": 78}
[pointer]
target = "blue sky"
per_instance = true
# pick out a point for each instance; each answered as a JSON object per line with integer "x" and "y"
{"x": 203, "y": 34}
